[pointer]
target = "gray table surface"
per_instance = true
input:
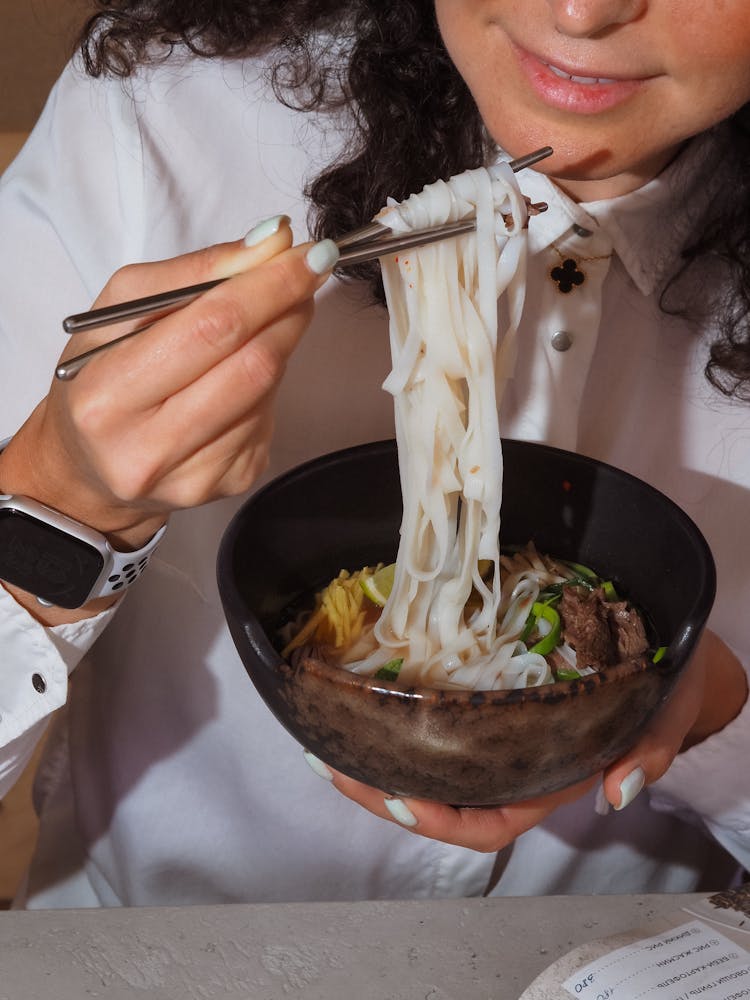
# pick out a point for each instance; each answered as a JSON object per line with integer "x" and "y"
{"x": 458, "y": 949}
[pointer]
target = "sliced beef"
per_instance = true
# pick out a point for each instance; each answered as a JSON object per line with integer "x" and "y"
{"x": 601, "y": 632}
{"x": 627, "y": 626}
{"x": 585, "y": 626}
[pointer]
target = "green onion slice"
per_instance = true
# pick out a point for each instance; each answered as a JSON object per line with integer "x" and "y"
{"x": 584, "y": 572}
{"x": 548, "y": 642}
{"x": 390, "y": 670}
{"x": 566, "y": 674}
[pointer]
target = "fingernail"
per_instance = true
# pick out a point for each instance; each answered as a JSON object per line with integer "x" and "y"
{"x": 265, "y": 229}
{"x": 630, "y": 787}
{"x": 401, "y": 812}
{"x": 318, "y": 766}
{"x": 601, "y": 805}
{"x": 322, "y": 256}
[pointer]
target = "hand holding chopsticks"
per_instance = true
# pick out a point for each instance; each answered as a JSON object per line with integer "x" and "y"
{"x": 367, "y": 243}
{"x": 184, "y": 413}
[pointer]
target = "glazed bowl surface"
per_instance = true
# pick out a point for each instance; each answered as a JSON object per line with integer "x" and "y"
{"x": 343, "y": 510}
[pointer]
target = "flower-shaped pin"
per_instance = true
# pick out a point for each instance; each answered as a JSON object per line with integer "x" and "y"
{"x": 567, "y": 275}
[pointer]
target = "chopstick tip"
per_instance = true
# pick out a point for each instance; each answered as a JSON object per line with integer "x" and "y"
{"x": 530, "y": 158}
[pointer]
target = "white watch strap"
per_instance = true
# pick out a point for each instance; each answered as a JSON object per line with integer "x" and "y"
{"x": 121, "y": 568}
{"x": 126, "y": 567}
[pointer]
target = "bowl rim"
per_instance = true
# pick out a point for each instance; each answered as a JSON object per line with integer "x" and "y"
{"x": 551, "y": 693}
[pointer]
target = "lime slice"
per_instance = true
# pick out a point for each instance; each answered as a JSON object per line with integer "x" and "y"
{"x": 379, "y": 585}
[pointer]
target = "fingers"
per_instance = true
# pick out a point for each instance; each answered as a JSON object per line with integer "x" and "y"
{"x": 660, "y": 743}
{"x": 201, "y": 371}
{"x": 652, "y": 755}
{"x": 158, "y": 399}
{"x": 222, "y": 260}
{"x": 695, "y": 710}
{"x": 182, "y": 413}
{"x": 479, "y": 829}
{"x": 234, "y": 460}
{"x": 235, "y": 386}
{"x": 185, "y": 345}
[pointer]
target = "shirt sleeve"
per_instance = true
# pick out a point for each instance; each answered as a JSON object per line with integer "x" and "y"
{"x": 70, "y": 215}
{"x": 62, "y": 235}
{"x": 34, "y": 666}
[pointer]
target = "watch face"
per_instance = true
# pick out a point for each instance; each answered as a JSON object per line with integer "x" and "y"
{"x": 45, "y": 561}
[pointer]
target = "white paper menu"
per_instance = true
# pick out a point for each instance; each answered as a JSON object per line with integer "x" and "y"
{"x": 703, "y": 953}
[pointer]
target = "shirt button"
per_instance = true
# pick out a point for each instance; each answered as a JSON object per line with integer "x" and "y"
{"x": 581, "y": 231}
{"x": 39, "y": 683}
{"x": 561, "y": 340}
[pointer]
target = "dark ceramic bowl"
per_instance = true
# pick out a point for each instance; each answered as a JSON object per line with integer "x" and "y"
{"x": 343, "y": 511}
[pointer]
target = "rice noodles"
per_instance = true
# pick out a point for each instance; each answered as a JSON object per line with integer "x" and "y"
{"x": 447, "y": 375}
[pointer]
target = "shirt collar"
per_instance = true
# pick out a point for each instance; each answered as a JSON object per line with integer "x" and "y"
{"x": 646, "y": 228}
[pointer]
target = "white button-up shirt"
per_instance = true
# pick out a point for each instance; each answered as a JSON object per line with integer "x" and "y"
{"x": 167, "y": 779}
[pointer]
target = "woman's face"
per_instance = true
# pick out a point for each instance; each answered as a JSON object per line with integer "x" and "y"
{"x": 614, "y": 86}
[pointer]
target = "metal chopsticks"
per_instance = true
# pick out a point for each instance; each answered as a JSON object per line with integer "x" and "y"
{"x": 165, "y": 302}
{"x": 366, "y": 243}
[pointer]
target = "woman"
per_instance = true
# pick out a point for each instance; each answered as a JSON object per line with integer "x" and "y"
{"x": 166, "y": 780}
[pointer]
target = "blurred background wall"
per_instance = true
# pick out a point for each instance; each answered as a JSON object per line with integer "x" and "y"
{"x": 36, "y": 39}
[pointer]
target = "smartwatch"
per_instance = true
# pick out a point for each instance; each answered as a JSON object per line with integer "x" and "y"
{"x": 59, "y": 560}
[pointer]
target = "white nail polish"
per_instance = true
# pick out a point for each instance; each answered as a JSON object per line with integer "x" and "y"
{"x": 318, "y": 766}
{"x": 265, "y": 229}
{"x": 322, "y": 256}
{"x": 630, "y": 786}
{"x": 401, "y": 812}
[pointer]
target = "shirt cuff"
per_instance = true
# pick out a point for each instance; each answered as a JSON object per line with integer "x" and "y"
{"x": 35, "y": 662}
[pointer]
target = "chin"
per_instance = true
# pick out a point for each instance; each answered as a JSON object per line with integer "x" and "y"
{"x": 581, "y": 159}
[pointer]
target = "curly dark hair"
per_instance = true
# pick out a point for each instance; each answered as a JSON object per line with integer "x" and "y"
{"x": 413, "y": 118}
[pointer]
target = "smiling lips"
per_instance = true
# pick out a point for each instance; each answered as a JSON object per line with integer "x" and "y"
{"x": 571, "y": 92}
